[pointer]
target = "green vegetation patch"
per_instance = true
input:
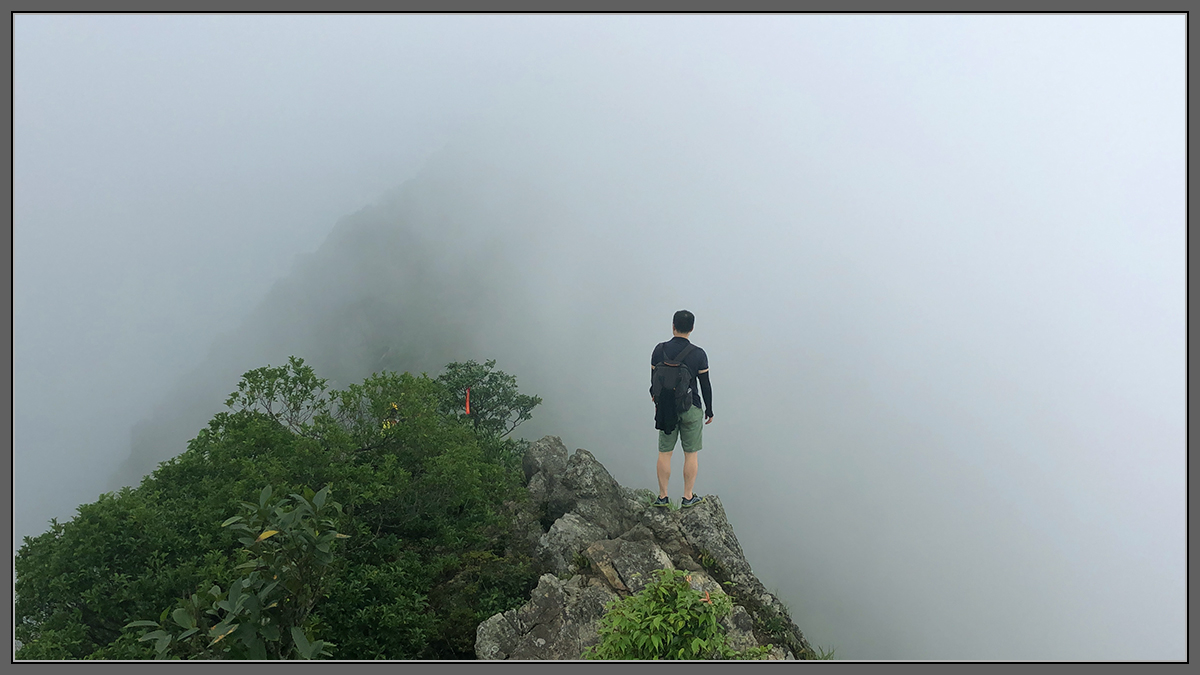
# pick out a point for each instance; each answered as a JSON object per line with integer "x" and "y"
{"x": 668, "y": 619}
{"x": 406, "y": 568}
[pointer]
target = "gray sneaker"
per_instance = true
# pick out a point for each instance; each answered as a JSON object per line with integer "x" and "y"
{"x": 662, "y": 501}
{"x": 688, "y": 503}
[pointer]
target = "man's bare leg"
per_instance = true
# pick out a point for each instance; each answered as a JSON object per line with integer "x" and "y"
{"x": 691, "y": 464}
{"x": 664, "y": 472}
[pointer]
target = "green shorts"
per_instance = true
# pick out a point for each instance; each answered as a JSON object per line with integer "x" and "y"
{"x": 687, "y": 430}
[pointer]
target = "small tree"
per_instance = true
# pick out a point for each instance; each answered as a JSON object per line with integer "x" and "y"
{"x": 497, "y": 407}
{"x": 291, "y": 395}
{"x": 496, "y": 404}
{"x": 667, "y": 619}
{"x": 265, "y": 614}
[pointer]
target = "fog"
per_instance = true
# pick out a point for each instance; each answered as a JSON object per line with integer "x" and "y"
{"x": 937, "y": 262}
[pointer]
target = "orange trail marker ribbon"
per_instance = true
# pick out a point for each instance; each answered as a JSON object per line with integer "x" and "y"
{"x": 468, "y": 400}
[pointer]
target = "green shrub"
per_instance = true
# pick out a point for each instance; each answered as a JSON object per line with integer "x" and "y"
{"x": 264, "y": 614}
{"x": 423, "y": 489}
{"x": 667, "y": 619}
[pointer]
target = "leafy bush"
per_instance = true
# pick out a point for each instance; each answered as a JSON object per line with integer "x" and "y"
{"x": 422, "y": 489}
{"x": 267, "y": 610}
{"x": 496, "y": 405}
{"x": 667, "y": 619}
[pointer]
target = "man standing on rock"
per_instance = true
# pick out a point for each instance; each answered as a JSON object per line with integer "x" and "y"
{"x": 692, "y": 364}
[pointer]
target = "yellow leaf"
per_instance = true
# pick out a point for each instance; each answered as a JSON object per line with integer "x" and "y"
{"x": 222, "y": 635}
{"x": 264, "y": 535}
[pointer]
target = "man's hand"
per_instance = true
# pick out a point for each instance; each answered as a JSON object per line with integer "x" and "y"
{"x": 710, "y": 419}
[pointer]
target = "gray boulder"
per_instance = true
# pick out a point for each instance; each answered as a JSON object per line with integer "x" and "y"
{"x": 567, "y": 537}
{"x": 627, "y": 565}
{"x": 559, "y": 622}
{"x": 548, "y": 454}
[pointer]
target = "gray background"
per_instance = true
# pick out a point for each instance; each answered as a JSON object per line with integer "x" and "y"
{"x": 937, "y": 262}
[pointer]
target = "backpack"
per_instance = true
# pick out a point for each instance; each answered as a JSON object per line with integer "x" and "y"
{"x": 670, "y": 388}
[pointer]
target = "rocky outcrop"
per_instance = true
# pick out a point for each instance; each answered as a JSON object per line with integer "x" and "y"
{"x": 600, "y": 541}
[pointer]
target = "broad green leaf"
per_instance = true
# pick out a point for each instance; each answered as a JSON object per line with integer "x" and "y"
{"x": 184, "y": 618}
{"x": 230, "y": 521}
{"x": 301, "y": 642}
{"x": 252, "y": 605}
{"x": 137, "y": 624}
{"x": 258, "y": 650}
{"x": 265, "y": 592}
{"x": 153, "y": 635}
{"x": 246, "y": 632}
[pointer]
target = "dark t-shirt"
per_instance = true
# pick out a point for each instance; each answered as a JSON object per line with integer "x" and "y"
{"x": 696, "y": 361}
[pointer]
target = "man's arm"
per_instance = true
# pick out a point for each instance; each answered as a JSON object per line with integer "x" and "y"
{"x": 654, "y": 358}
{"x": 706, "y": 391}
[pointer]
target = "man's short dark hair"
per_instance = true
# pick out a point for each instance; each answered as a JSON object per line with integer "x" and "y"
{"x": 684, "y": 321}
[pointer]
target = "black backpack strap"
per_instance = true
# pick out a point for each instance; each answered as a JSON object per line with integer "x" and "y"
{"x": 682, "y": 353}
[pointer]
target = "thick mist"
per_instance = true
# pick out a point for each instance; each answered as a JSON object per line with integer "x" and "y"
{"x": 937, "y": 263}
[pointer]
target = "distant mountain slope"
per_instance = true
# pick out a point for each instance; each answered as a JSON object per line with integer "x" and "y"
{"x": 407, "y": 284}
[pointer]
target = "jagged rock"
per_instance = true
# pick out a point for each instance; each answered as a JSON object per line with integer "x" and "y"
{"x": 539, "y": 486}
{"x": 739, "y": 629}
{"x": 608, "y": 540}
{"x": 567, "y": 537}
{"x": 588, "y": 490}
{"x": 707, "y": 532}
{"x": 588, "y": 479}
{"x": 548, "y": 454}
{"x": 559, "y": 485}
{"x": 560, "y": 621}
{"x": 627, "y": 565}
{"x": 544, "y": 464}
{"x": 525, "y": 531}
{"x": 663, "y": 524}
{"x": 495, "y": 635}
